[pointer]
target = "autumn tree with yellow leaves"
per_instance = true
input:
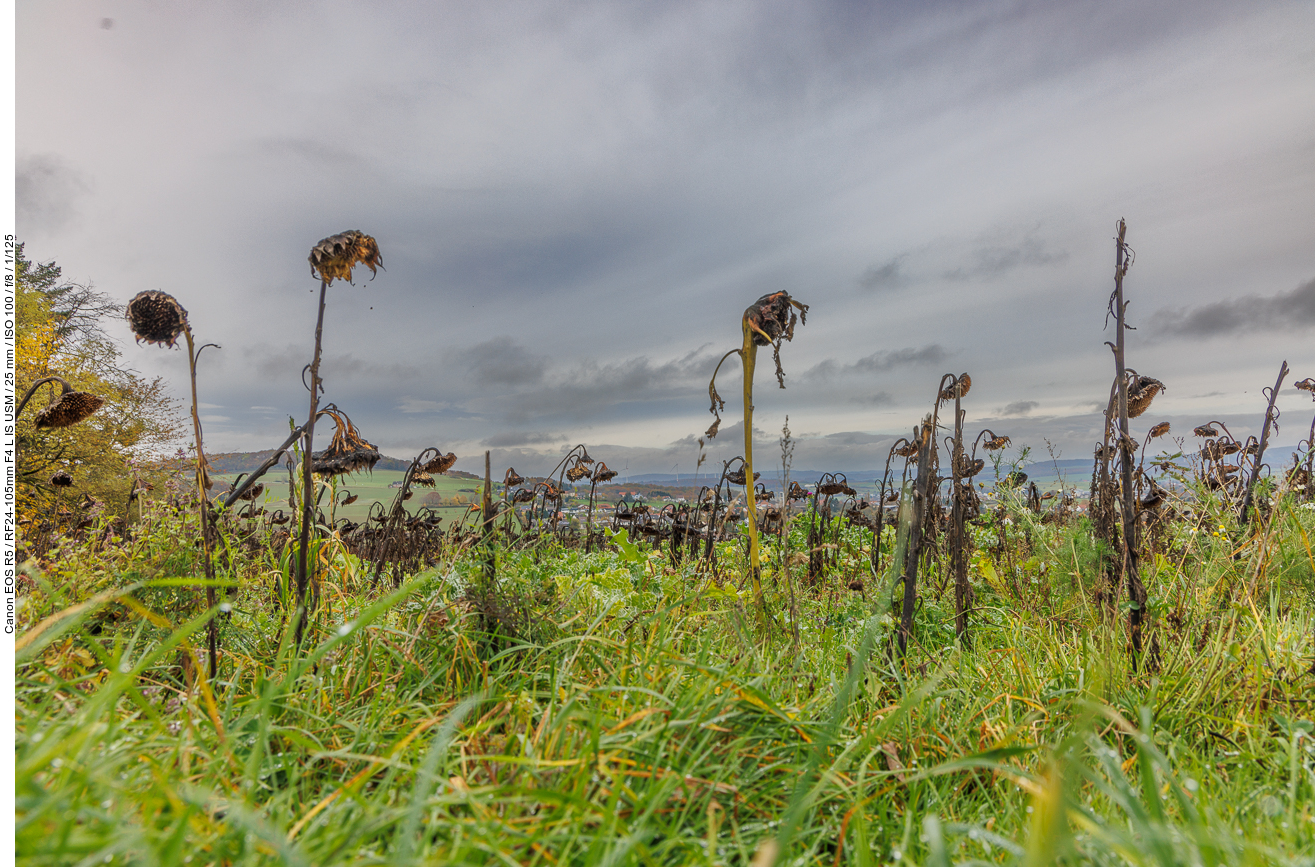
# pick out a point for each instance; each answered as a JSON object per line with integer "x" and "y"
{"x": 66, "y": 472}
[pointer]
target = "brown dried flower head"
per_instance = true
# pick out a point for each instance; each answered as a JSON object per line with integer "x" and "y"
{"x": 334, "y": 257}
{"x": 908, "y": 450}
{"x": 1141, "y": 394}
{"x": 968, "y": 467}
{"x": 1205, "y": 430}
{"x": 423, "y": 479}
{"x": 958, "y": 389}
{"x": 522, "y": 495}
{"x": 771, "y": 319}
{"x": 1014, "y": 479}
{"x": 348, "y": 452}
{"x": 603, "y": 474}
{"x": 1160, "y": 430}
{"x": 442, "y": 464}
{"x": 797, "y": 492}
{"x": 68, "y": 409}
{"x": 61, "y": 479}
{"x": 156, "y": 317}
{"x": 1307, "y": 384}
{"x": 577, "y": 472}
{"x": 512, "y": 478}
{"x": 737, "y": 477}
{"x": 348, "y": 500}
{"x": 994, "y": 444}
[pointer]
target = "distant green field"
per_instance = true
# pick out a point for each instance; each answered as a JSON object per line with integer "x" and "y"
{"x": 450, "y": 496}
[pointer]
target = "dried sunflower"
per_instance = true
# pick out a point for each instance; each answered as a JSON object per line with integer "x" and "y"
{"x": 968, "y": 467}
{"x": 603, "y": 474}
{"x": 1141, "y": 394}
{"x": 1205, "y": 430}
{"x": 771, "y": 319}
{"x": 443, "y": 463}
{"x": 1306, "y": 384}
{"x": 994, "y": 444}
{"x": 959, "y": 389}
{"x": 423, "y": 479}
{"x": 522, "y": 495}
{"x": 1014, "y": 479}
{"x": 61, "y": 479}
{"x": 577, "y": 472}
{"x": 348, "y": 452}
{"x": 334, "y": 257}
{"x": 69, "y": 408}
{"x": 737, "y": 477}
{"x": 1160, "y": 430}
{"x": 796, "y": 492}
{"x": 512, "y": 478}
{"x": 156, "y": 317}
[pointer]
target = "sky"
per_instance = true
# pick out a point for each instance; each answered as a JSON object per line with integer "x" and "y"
{"x": 576, "y": 201}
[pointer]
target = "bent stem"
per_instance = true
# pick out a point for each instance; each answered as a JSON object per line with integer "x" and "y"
{"x": 308, "y": 477}
{"x": 22, "y": 404}
{"x": 203, "y": 504}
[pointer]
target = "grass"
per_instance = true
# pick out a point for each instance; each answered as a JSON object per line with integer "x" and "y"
{"x": 616, "y": 710}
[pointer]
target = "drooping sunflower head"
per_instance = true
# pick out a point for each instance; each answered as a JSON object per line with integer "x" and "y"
{"x": 772, "y": 317}
{"x": 1159, "y": 430}
{"x": 156, "y": 317}
{"x": 68, "y": 409}
{"x": 348, "y": 452}
{"x": 1141, "y": 393}
{"x": 1205, "y": 430}
{"x": 958, "y": 389}
{"x": 334, "y": 257}
{"x": 61, "y": 479}
{"x": 441, "y": 464}
{"x": 602, "y": 473}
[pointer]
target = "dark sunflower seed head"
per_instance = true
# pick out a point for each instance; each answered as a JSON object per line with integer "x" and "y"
{"x": 156, "y": 317}
{"x": 442, "y": 464}
{"x": 68, "y": 409}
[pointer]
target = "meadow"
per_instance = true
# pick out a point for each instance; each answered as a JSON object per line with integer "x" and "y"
{"x": 955, "y": 666}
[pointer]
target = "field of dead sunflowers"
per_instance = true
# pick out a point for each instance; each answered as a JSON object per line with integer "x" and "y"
{"x": 946, "y": 673}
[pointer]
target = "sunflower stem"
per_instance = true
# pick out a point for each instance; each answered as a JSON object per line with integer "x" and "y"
{"x": 203, "y": 505}
{"x": 308, "y": 475}
{"x": 748, "y": 355}
{"x": 33, "y": 390}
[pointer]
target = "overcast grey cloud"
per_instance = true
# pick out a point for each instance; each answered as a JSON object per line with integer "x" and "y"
{"x": 1019, "y": 407}
{"x": 576, "y": 201}
{"x": 1291, "y": 311}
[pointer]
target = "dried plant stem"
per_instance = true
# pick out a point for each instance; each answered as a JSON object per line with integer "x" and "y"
{"x": 1260, "y": 450}
{"x": 913, "y": 549}
{"x": 963, "y": 593}
{"x": 33, "y": 390}
{"x": 308, "y": 477}
{"x": 748, "y": 355}
{"x": 203, "y": 507}
{"x": 235, "y": 494}
{"x": 486, "y": 525}
{"x": 1127, "y": 496}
